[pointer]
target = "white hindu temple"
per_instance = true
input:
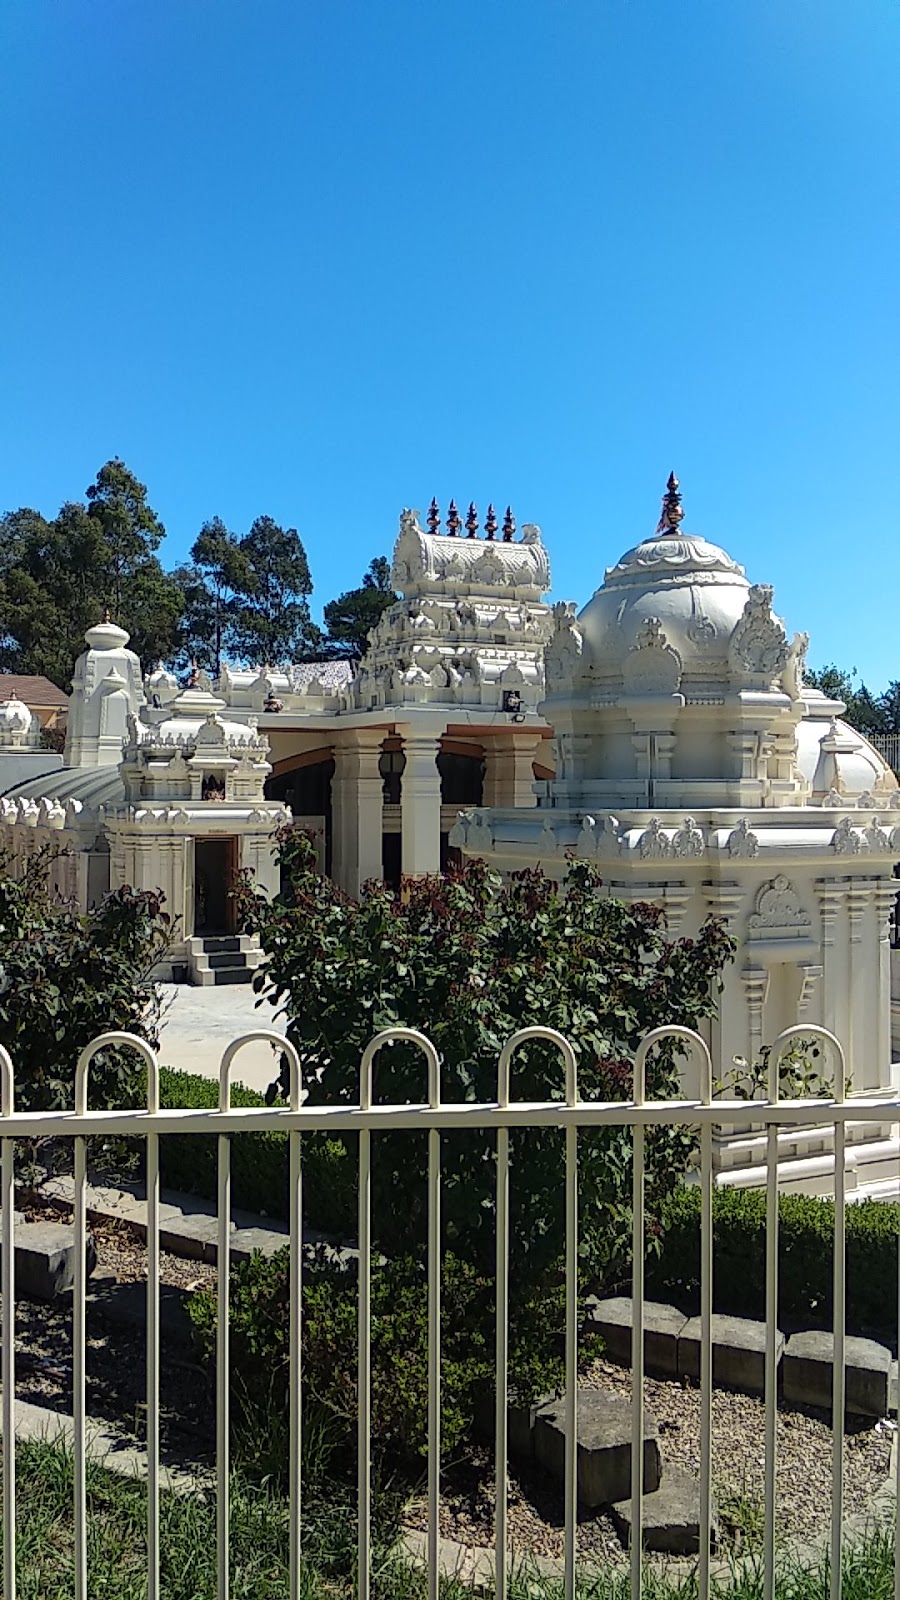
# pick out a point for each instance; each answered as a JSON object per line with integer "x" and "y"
{"x": 665, "y": 731}
{"x": 695, "y": 766}
{"x": 178, "y": 788}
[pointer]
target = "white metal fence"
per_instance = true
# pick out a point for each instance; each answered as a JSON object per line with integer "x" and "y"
{"x": 432, "y": 1117}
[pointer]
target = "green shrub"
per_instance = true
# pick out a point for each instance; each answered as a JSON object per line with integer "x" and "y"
{"x": 259, "y": 1161}
{"x": 470, "y": 959}
{"x": 806, "y": 1258}
{"x": 259, "y": 1314}
{"x": 65, "y": 978}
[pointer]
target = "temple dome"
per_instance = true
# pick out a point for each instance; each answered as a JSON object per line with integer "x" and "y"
{"x": 15, "y": 717}
{"x": 694, "y": 589}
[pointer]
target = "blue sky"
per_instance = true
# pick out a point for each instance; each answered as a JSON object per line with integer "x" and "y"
{"x": 323, "y": 260}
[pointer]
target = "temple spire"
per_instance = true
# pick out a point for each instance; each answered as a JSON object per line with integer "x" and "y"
{"x": 672, "y": 509}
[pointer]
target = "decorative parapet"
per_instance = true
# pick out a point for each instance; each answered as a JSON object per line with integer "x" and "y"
{"x": 445, "y": 563}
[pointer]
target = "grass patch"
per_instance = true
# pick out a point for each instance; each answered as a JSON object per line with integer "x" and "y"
{"x": 259, "y": 1548}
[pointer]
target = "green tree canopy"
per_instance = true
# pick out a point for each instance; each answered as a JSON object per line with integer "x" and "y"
{"x": 214, "y": 585}
{"x": 57, "y": 576}
{"x": 867, "y": 712}
{"x": 350, "y": 617}
{"x": 270, "y": 622}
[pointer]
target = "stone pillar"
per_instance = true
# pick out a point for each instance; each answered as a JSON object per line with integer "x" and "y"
{"x": 830, "y": 895}
{"x": 861, "y": 1069}
{"x": 356, "y": 809}
{"x": 728, "y": 1033}
{"x": 509, "y": 767}
{"x": 756, "y": 986}
{"x": 885, "y": 897}
{"x": 420, "y": 806}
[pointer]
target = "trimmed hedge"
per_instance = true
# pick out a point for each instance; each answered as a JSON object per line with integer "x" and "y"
{"x": 259, "y": 1161}
{"x": 805, "y": 1264}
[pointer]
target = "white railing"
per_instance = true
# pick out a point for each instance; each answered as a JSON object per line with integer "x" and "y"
{"x": 434, "y": 1117}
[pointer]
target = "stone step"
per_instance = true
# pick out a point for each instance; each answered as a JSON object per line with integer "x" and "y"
{"x": 45, "y": 1258}
{"x": 670, "y": 1516}
{"x": 738, "y": 1352}
{"x": 808, "y": 1368}
{"x": 604, "y": 1446}
{"x": 812, "y": 1175}
{"x": 612, "y": 1320}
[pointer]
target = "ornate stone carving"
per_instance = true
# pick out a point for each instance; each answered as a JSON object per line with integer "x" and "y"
{"x": 688, "y": 840}
{"x": 847, "y": 840}
{"x": 742, "y": 841}
{"x": 599, "y": 836}
{"x": 472, "y": 831}
{"x": 792, "y": 680}
{"x": 565, "y": 648}
{"x": 876, "y": 838}
{"x": 669, "y": 553}
{"x": 778, "y": 906}
{"x": 759, "y": 643}
{"x": 833, "y": 800}
{"x": 651, "y": 665}
{"x": 654, "y": 845}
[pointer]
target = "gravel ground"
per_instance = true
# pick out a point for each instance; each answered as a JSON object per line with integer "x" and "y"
{"x": 115, "y": 1394}
{"x": 115, "y": 1355}
{"x": 803, "y": 1483}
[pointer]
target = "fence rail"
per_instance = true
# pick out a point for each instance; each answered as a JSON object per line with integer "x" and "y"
{"x": 433, "y": 1117}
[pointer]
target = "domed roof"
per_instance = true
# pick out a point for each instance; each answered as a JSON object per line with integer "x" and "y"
{"x": 15, "y": 716}
{"x": 692, "y": 588}
{"x": 835, "y": 758}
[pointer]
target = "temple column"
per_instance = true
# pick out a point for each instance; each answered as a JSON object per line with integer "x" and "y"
{"x": 356, "y": 809}
{"x": 509, "y": 767}
{"x": 756, "y": 987}
{"x": 861, "y": 1068}
{"x": 885, "y": 898}
{"x": 420, "y": 806}
{"x": 830, "y": 895}
{"x": 728, "y": 1029}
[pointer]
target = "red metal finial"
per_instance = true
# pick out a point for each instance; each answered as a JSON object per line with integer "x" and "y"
{"x": 509, "y": 526}
{"x": 490, "y": 522}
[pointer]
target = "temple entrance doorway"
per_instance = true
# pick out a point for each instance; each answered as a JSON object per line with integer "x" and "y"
{"x": 215, "y": 873}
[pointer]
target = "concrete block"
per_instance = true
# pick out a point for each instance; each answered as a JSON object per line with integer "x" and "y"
{"x": 604, "y": 1446}
{"x": 612, "y": 1319}
{"x": 671, "y": 1516}
{"x": 739, "y": 1352}
{"x": 45, "y": 1259}
{"x": 193, "y": 1236}
{"x": 808, "y": 1370}
{"x": 245, "y": 1240}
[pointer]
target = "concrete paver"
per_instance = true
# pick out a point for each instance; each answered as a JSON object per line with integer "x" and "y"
{"x": 199, "y": 1023}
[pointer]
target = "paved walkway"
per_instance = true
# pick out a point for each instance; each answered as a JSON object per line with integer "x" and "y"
{"x": 198, "y": 1023}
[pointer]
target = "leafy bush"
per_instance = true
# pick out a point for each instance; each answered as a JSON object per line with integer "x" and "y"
{"x": 806, "y": 1258}
{"x": 65, "y": 978}
{"x": 259, "y": 1317}
{"x": 259, "y": 1161}
{"x": 469, "y": 961}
